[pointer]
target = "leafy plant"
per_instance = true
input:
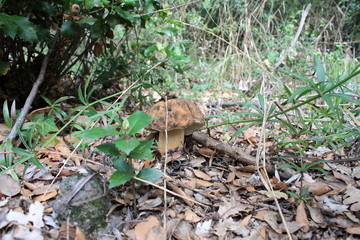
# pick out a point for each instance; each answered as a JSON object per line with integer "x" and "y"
{"x": 126, "y": 148}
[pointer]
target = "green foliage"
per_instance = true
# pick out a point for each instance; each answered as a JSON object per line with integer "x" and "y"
{"x": 126, "y": 148}
{"x": 18, "y": 26}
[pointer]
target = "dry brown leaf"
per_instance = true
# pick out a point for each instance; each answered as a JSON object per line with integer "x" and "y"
{"x": 191, "y": 216}
{"x": 317, "y": 188}
{"x": 352, "y": 196}
{"x": 262, "y": 235}
{"x": 47, "y": 196}
{"x": 142, "y": 229}
{"x": 246, "y": 220}
{"x": 201, "y": 183}
{"x": 345, "y": 178}
{"x": 316, "y": 215}
{"x": 231, "y": 207}
{"x": 230, "y": 177}
{"x": 353, "y": 230}
{"x": 201, "y": 175}
{"x": 260, "y": 215}
{"x": 250, "y": 136}
{"x": 4, "y": 131}
{"x": 301, "y": 217}
{"x": 9, "y": 187}
{"x": 183, "y": 231}
{"x": 206, "y": 152}
{"x": 224, "y": 226}
{"x": 46, "y": 188}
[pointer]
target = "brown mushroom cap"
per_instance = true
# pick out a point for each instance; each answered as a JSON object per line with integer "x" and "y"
{"x": 182, "y": 114}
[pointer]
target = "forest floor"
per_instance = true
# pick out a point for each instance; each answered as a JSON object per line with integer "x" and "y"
{"x": 217, "y": 195}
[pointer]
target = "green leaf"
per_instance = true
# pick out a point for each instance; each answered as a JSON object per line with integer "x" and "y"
{"x": 127, "y": 145}
{"x": 149, "y": 174}
{"x": 319, "y": 68}
{"x": 329, "y": 102}
{"x": 299, "y": 93}
{"x": 143, "y": 151}
{"x": 100, "y": 132}
{"x": 119, "y": 178}
{"x": 6, "y": 115}
{"x": 109, "y": 148}
{"x": 47, "y": 125}
{"x": 137, "y": 121}
{"x": 71, "y": 30}
{"x": 242, "y": 129}
{"x": 124, "y": 14}
{"x": 121, "y": 166}
{"x": 20, "y": 151}
{"x": 15, "y": 25}
{"x": 36, "y": 162}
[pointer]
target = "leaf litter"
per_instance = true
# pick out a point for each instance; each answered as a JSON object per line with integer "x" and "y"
{"x": 235, "y": 204}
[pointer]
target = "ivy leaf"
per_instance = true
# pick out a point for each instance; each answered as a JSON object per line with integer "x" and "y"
{"x": 127, "y": 145}
{"x": 137, "y": 121}
{"x": 16, "y": 25}
{"x": 149, "y": 174}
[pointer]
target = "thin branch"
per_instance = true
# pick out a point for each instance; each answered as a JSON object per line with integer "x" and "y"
{"x": 20, "y": 120}
{"x": 302, "y": 22}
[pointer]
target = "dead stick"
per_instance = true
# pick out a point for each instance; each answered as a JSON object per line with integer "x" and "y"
{"x": 20, "y": 120}
{"x": 302, "y": 21}
{"x": 238, "y": 154}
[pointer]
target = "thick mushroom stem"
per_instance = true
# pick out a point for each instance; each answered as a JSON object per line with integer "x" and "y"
{"x": 175, "y": 140}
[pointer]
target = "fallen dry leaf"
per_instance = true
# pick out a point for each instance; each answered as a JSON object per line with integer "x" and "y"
{"x": 191, "y": 216}
{"x": 9, "y": 186}
{"x": 353, "y": 230}
{"x": 201, "y": 175}
{"x": 142, "y": 229}
{"x": 352, "y": 197}
{"x": 231, "y": 207}
{"x": 301, "y": 217}
{"x": 47, "y": 196}
{"x": 201, "y": 183}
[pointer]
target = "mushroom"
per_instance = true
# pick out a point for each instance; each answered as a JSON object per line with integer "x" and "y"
{"x": 184, "y": 117}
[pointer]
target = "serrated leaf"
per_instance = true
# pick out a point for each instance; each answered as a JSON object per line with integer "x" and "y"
{"x": 137, "y": 121}
{"x": 109, "y": 148}
{"x": 127, "y": 145}
{"x": 95, "y": 133}
{"x": 149, "y": 174}
{"x": 121, "y": 166}
{"x": 143, "y": 151}
{"x": 119, "y": 178}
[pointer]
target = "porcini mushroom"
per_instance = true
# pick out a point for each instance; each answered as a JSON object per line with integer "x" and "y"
{"x": 184, "y": 117}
